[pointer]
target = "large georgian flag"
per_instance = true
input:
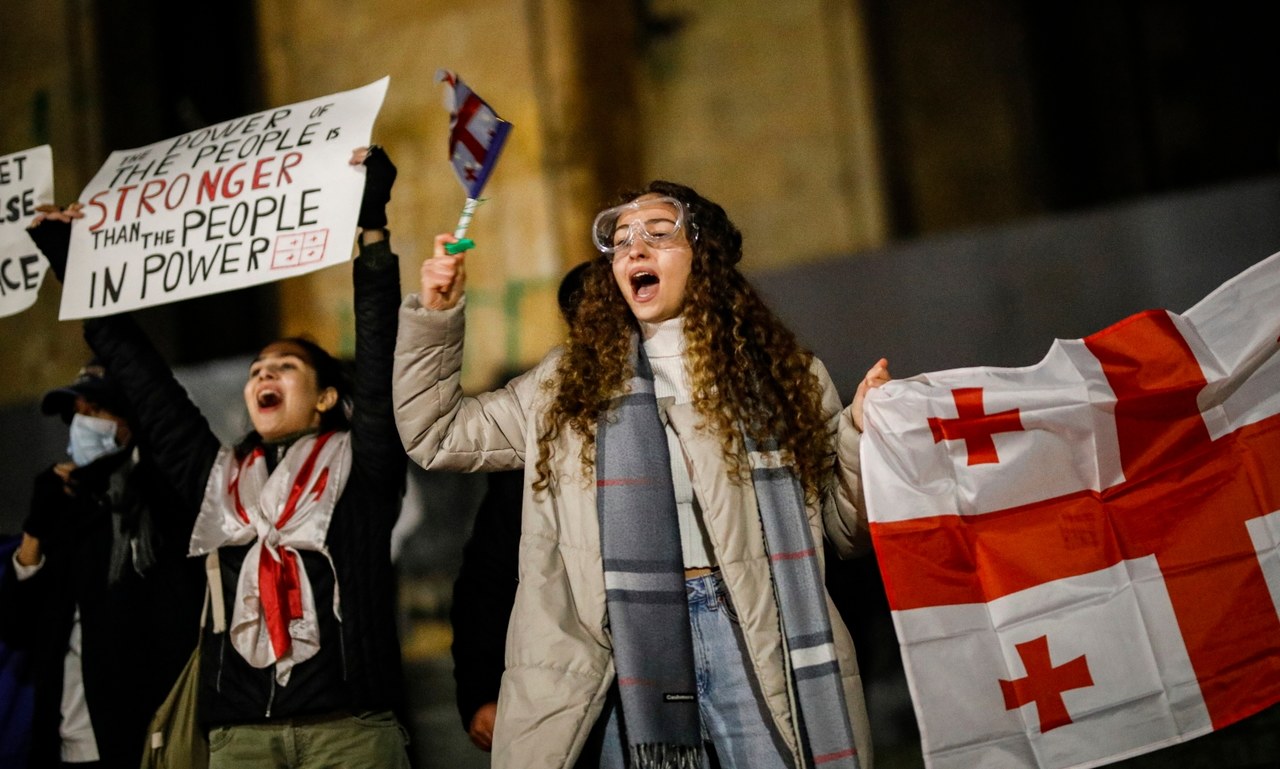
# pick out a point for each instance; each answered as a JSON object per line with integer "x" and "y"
{"x": 1082, "y": 557}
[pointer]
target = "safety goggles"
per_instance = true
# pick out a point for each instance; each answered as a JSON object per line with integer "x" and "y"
{"x": 657, "y": 221}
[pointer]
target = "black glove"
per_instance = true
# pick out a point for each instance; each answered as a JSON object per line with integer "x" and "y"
{"x": 379, "y": 175}
{"x": 50, "y": 507}
{"x": 54, "y": 240}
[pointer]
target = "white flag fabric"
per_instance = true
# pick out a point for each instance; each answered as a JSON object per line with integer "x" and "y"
{"x": 1082, "y": 557}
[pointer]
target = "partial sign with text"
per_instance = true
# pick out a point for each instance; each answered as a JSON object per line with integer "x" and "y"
{"x": 26, "y": 181}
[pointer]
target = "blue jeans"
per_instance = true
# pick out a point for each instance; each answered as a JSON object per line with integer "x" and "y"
{"x": 736, "y": 727}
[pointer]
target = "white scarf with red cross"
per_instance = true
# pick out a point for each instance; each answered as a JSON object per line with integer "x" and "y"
{"x": 273, "y": 616}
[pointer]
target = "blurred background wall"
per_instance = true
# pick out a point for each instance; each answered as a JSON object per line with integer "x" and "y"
{"x": 943, "y": 183}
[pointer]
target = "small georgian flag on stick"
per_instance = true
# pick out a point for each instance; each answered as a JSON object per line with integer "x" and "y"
{"x": 476, "y": 137}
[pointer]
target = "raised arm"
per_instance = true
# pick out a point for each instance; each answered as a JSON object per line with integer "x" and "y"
{"x": 376, "y": 280}
{"x": 439, "y": 427}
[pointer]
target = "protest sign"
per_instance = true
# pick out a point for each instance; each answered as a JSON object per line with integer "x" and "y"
{"x": 248, "y": 201}
{"x": 26, "y": 181}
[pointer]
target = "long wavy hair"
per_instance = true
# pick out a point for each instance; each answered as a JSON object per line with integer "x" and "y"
{"x": 747, "y": 369}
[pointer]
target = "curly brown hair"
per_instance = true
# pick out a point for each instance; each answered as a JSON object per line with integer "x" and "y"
{"x": 746, "y": 367}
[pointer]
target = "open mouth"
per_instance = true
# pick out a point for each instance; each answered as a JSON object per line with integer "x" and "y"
{"x": 268, "y": 399}
{"x": 644, "y": 285}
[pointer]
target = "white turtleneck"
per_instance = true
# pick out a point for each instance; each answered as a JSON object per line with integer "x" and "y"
{"x": 664, "y": 345}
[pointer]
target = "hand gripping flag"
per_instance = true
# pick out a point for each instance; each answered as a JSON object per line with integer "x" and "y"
{"x": 1082, "y": 557}
{"x": 476, "y": 137}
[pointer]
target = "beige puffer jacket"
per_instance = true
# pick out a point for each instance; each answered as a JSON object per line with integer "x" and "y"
{"x": 559, "y": 664}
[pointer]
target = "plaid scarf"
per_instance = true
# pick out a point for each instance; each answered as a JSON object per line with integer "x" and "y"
{"x": 797, "y": 580}
{"x": 645, "y": 594}
{"x": 644, "y": 580}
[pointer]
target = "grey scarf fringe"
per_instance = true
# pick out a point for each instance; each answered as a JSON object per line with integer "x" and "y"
{"x": 663, "y": 756}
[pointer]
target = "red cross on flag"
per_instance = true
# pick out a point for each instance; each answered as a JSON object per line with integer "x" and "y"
{"x": 476, "y": 133}
{"x": 1082, "y": 557}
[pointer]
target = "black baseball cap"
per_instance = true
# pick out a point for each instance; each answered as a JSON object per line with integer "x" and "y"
{"x": 93, "y": 385}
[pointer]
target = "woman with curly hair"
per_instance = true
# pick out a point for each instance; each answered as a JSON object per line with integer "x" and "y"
{"x": 684, "y": 458}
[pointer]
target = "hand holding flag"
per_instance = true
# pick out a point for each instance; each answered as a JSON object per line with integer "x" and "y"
{"x": 476, "y": 137}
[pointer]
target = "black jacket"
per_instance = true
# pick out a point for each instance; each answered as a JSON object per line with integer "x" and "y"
{"x": 358, "y": 666}
{"x": 136, "y": 631}
{"x": 484, "y": 592}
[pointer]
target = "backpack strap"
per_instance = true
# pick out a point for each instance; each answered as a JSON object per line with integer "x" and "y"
{"x": 213, "y": 594}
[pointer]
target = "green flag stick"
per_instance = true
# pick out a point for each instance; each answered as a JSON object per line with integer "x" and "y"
{"x": 464, "y": 221}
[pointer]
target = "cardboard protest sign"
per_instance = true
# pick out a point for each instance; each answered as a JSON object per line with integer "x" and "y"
{"x": 244, "y": 202}
{"x": 26, "y": 181}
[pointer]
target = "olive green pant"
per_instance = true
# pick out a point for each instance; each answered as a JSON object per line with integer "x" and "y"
{"x": 363, "y": 741}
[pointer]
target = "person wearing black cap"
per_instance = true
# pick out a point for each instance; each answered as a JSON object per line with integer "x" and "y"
{"x": 107, "y": 613}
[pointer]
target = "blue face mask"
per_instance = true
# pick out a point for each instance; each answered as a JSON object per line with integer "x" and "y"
{"x": 91, "y": 438}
